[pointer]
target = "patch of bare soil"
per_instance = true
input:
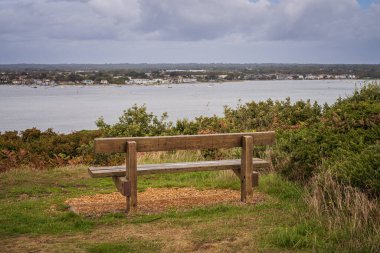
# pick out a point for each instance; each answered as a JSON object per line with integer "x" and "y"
{"x": 156, "y": 200}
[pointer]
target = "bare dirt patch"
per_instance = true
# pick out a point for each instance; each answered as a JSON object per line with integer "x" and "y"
{"x": 156, "y": 200}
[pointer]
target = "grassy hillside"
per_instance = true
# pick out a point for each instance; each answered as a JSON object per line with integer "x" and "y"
{"x": 32, "y": 204}
{"x": 33, "y": 210}
{"x": 322, "y": 192}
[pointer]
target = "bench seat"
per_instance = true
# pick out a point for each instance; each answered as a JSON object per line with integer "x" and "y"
{"x": 146, "y": 169}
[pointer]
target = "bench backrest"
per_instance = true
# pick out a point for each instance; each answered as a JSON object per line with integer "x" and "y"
{"x": 182, "y": 142}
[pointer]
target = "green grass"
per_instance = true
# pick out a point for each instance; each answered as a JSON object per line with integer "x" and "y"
{"x": 133, "y": 244}
{"x": 302, "y": 235}
{"x": 199, "y": 180}
{"x": 32, "y": 205}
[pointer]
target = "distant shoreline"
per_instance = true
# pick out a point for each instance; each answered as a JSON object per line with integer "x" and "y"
{"x": 175, "y": 84}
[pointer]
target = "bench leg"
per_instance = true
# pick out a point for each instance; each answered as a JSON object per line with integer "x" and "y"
{"x": 131, "y": 176}
{"x": 246, "y": 169}
{"x": 255, "y": 177}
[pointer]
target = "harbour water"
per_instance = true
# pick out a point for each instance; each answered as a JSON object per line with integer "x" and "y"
{"x": 71, "y": 108}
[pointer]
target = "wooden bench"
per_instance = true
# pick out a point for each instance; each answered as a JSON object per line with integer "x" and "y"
{"x": 125, "y": 177}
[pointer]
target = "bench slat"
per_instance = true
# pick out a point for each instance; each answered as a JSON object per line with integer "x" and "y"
{"x": 181, "y": 142}
{"x": 146, "y": 169}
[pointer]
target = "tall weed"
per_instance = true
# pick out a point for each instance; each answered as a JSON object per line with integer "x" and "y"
{"x": 350, "y": 217}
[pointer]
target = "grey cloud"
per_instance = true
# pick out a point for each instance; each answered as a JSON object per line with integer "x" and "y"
{"x": 193, "y": 20}
{"x": 122, "y": 11}
{"x": 74, "y": 1}
{"x": 59, "y": 19}
{"x": 200, "y": 20}
{"x": 220, "y": 27}
{"x": 260, "y": 20}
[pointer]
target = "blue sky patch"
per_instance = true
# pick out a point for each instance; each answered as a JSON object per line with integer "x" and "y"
{"x": 366, "y": 3}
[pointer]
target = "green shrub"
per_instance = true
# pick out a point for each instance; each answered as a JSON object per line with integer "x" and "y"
{"x": 345, "y": 141}
{"x": 135, "y": 121}
{"x": 359, "y": 169}
{"x": 271, "y": 115}
{"x": 45, "y": 149}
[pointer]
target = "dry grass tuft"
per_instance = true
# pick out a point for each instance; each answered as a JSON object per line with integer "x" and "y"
{"x": 347, "y": 210}
{"x": 226, "y": 175}
{"x": 169, "y": 156}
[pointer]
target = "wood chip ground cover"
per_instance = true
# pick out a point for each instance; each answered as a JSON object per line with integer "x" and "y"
{"x": 156, "y": 200}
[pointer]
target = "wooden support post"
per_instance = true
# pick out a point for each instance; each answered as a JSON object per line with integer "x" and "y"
{"x": 237, "y": 173}
{"x": 246, "y": 169}
{"x": 122, "y": 185}
{"x": 255, "y": 179}
{"x": 131, "y": 176}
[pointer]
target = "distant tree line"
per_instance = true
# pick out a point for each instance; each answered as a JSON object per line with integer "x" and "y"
{"x": 138, "y": 70}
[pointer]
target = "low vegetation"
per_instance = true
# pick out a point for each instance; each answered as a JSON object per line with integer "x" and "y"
{"x": 32, "y": 204}
{"x": 323, "y": 188}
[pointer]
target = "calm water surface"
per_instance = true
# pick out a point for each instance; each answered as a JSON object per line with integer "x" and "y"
{"x": 70, "y": 108}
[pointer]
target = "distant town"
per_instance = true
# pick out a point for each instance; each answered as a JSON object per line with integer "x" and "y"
{"x": 151, "y": 75}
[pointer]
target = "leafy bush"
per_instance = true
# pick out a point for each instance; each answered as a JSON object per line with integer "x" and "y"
{"x": 45, "y": 149}
{"x": 271, "y": 115}
{"x": 359, "y": 169}
{"x": 135, "y": 121}
{"x": 201, "y": 125}
{"x": 345, "y": 141}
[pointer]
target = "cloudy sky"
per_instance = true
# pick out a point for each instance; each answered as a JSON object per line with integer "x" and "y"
{"x": 156, "y": 31}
